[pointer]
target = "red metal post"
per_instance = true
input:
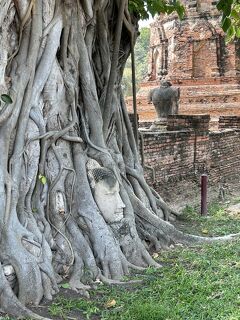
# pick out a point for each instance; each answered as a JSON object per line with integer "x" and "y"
{"x": 204, "y": 181}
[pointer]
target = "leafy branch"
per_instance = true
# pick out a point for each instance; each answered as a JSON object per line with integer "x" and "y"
{"x": 231, "y": 18}
{"x": 142, "y": 8}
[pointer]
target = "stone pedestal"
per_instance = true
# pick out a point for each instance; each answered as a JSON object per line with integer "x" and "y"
{"x": 159, "y": 125}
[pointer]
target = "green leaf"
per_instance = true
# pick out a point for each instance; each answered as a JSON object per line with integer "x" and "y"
{"x": 180, "y": 10}
{"x": 221, "y": 5}
{"x": 225, "y": 6}
{"x": 65, "y": 285}
{"x": 230, "y": 33}
{"x": 226, "y": 24}
{"x": 138, "y": 7}
{"x": 143, "y": 7}
{"x": 235, "y": 15}
{"x": 42, "y": 179}
{"x": 155, "y": 6}
{"x": 176, "y": 6}
{"x": 6, "y": 98}
{"x": 237, "y": 32}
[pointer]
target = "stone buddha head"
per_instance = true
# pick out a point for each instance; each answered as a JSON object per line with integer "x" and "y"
{"x": 105, "y": 189}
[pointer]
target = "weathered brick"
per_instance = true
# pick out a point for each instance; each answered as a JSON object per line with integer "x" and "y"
{"x": 177, "y": 156}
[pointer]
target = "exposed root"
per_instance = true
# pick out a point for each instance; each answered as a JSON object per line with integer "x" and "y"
{"x": 116, "y": 282}
{"x": 132, "y": 266}
{"x": 10, "y": 304}
{"x": 65, "y": 81}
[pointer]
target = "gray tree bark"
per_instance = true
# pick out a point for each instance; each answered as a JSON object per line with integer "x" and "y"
{"x": 56, "y": 60}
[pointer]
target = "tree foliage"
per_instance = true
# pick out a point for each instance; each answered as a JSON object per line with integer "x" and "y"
{"x": 230, "y": 17}
{"x": 145, "y": 7}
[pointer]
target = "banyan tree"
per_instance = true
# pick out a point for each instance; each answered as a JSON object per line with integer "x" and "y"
{"x": 74, "y": 202}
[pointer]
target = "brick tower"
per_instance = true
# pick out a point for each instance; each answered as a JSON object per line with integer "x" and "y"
{"x": 194, "y": 55}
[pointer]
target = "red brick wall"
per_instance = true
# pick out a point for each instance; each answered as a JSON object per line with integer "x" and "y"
{"x": 171, "y": 156}
{"x": 224, "y": 155}
{"x": 229, "y": 122}
{"x": 192, "y": 122}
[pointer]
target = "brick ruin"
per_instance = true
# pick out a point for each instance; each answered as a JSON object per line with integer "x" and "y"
{"x": 193, "y": 54}
{"x": 188, "y": 149}
{"x": 205, "y": 136}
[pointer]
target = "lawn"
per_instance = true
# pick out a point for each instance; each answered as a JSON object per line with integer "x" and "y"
{"x": 193, "y": 284}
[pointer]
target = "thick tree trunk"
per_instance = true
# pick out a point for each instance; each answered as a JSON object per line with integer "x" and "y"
{"x": 67, "y": 125}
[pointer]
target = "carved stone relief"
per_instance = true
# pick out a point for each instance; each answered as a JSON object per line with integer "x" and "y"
{"x": 105, "y": 189}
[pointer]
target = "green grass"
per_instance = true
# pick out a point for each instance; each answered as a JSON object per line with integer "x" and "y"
{"x": 62, "y": 306}
{"x": 217, "y": 222}
{"x": 199, "y": 283}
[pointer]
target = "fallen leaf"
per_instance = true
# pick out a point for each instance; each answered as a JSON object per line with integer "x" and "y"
{"x": 205, "y": 231}
{"x": 98, "y": 281}
{"x": 110, "y": 303}
{"x": 179, "y": 245}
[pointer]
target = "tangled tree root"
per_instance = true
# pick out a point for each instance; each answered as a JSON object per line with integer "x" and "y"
{"x": 62, "y": 64}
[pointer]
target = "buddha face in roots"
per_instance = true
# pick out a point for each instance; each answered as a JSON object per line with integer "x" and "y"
{"x": 106, "y": 194}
